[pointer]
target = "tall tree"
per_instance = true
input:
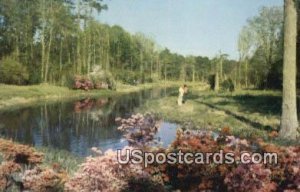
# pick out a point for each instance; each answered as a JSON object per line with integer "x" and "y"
{"x": 289, "y": 119}
{"x": 221, "y": 59}
{"x": 266, "y": 29}
{"x": 244, "y": 48}
{"x": 216, "y": 64}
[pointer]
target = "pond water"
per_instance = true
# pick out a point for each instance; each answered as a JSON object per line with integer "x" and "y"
{"x": 76, "y": 126}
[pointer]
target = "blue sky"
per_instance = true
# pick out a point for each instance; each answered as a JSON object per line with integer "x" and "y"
{"x": 188, "y": 27}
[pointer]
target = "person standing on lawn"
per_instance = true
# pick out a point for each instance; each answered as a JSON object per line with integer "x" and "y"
{"x": 182, "y": 91}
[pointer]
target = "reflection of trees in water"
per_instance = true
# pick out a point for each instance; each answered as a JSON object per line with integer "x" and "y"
{"x": 11, "y": 123}
{"x": 74, "y": 126}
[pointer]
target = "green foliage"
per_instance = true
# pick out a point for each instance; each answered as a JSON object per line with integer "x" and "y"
{"x": 48, "y": 38}
{"x": 13, "y": 72}
{"x": 100, "y": 76}
{"x": 261, "y": 43}
{"x": 211, "y": 81}
{"x": 227, "y": 85}
{"x": 131, "y": 77}
{"x": 127, "y": 77}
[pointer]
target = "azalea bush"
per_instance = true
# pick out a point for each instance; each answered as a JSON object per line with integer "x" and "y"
{"x": 43, "y": 180}
{"x": 102, "y": 79}
{"x": 21, "y": 169}
{"x": 139, "y": 130}
{"x": 104, "y": 173}
{"x": 97, "y": 79}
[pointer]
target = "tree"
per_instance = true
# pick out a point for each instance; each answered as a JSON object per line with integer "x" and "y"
{"x": 289, "y": 119}
{"x": 266, "y": 39}
{"x": 244, "y": 47}
{"x": 221, "y": 59}
{"x": 13, "y": 72}
{"x": 266, "y": 28}
{"x": 203, "y": 68}
{"x": 165, "y": 58}
{"x": 191, "y": 67}
{"x": 216, "y": 63}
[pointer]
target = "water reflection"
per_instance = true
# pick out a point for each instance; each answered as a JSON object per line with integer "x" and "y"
{"x": 78, "y": 126}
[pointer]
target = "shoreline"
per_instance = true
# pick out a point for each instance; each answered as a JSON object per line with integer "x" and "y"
{"x": 13, "y": 97}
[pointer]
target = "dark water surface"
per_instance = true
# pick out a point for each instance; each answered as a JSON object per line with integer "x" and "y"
{"x": 79, "y": 125}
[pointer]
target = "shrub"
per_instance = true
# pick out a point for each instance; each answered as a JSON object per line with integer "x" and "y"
{"x": 227, "y": 85}
{"x": 18, "y": 153}
{"x": 20, "y": 170}
{"x": 104, "y": 173}
{"x": 6, "y": 169}
{"x": 13, "y": 72}
{"x": 81, "y": 82}
{"x": 128, "y": 77}
{"x": 139, "y": 130}
{"x": 211, "y": 81}
{"x": 250, "y": 177}
{"x": 43, "y": 180}
{"x": 132, "y": 77}
{"x": 98, "y": 79}
{"x": 102, "y": 79}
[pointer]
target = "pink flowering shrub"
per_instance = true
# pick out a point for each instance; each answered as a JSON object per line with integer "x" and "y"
{"x": 19, "y": 170}
{"x": 81, "y": 82}
{"x": 104, "y": 173}
{"x": 251, "y": 178}
{"x": 6, "y": 169}
{"x": 43, "y": 180}
{"x": 139, "y": 130}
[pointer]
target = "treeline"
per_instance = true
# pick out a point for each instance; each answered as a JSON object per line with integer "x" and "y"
{"x": 52, "y": 40}
{"x": 261, "y": 48}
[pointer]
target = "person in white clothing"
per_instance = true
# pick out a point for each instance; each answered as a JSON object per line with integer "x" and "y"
{"x": 182, "y": 90}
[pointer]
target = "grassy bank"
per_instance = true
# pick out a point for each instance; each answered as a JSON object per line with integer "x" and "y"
{"x": 247, "y": 113}
{"x": 12, "y": 96}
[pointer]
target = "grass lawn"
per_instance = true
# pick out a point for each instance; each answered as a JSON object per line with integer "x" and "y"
{"x": 249, "y": 113}
{"x": 12, "y": 96}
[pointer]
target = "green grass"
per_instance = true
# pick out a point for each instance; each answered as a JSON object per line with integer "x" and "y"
{"x": 12, "y": 96}
{"x": 249, "y": 113}
{"x": 261, "y": 109}
{"x": 68, "y": 161}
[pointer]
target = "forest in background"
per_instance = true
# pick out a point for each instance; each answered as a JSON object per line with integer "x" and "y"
{"x": 50, "y": 41}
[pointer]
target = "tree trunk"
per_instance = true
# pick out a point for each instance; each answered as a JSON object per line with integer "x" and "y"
{"x": 89, "y": 59}
{"x": 165, "y": 65}
{"x": 216, "y": 88}
{"x": 151, "y": 66}
{"x": 43, "y": 50}
{"x": 246, "y": 73}
{"x": 239, "y": 75}
{"x": 48, "y": 56}
{"x": 221, "y": 70}
{"x": 216, "y": 82}
{"x": 158, "y": 68}
{"x": 43, "y": 54}
{"x": 193, "y": 72}
{"x": 78, "y": 43}
{"x": 60, "y": 56}
{"x": 107, "y": 52}
{"x": 182, "y": 72}
{"x": 289, "y": 119}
